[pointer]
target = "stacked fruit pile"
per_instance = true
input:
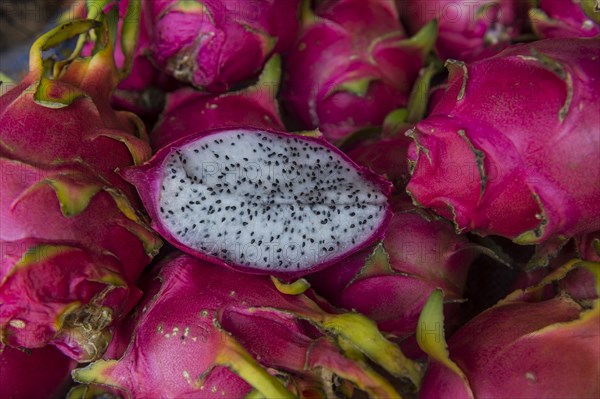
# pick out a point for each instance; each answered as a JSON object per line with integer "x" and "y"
{"x": 319, "y": 210}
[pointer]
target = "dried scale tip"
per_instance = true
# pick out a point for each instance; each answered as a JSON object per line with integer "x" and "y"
{"x": 262, "y": 201}
{"x": 73, "y": 240}
{"x": 473, "y": 158}
{"x": 244, "y": 337}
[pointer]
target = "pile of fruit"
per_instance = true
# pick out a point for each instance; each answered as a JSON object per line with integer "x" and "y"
{"x": 304, "y": 199}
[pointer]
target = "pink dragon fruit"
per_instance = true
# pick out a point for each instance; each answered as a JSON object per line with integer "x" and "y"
{"x": 521, "y": 347}
{"x": 188, "y": 110}
{"x": 468, "y": 29}
{"x": 262, "y": 201}
{"x": 143, "y": 86}
{"x": 494, "y": 157}
{"x": 561, "y": 19}
{"x": 72, "y": 243}
{"x": 390, "y": 283}
{"x": 215, "y": 45}
{"x": 37, "y": 373}
{"x": 341, "y": 81}
{"x": 207, "y": 330}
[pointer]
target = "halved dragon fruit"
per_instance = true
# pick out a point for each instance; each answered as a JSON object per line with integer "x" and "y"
{"x": 72, "y": 241}
{"x": 214, "y": 45}
{"x": 210, "y": 331}
{"x": 521, "y": 347}
{"x": 561, "y": 19}
{"x": 507, "y": 150}
{"x": 262, "y": 201}
{"x": 188, "y": 111}
{"x": 25, "y": 374}
{"x": 340, "y": 81}
{"x": 468, "y": 29}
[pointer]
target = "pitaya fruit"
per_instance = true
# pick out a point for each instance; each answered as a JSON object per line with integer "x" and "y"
{"x": 340, "y": 81}
{"x": 521, "y": 347}
{"x": 189, "y": 111}
{"x": 468, "y": 29}
{"x": 37, "y": 373}
{"x": 72, "y": 242}
{"x": 207, "y": 330}
{"x": 262, "y": 201}
{"x": 507, "y": 150}
{"x": 216, "y": 44}
{"x": 142, "y": 88}
{"x": 390, "y": 283}
{"x": 559, "y": 19}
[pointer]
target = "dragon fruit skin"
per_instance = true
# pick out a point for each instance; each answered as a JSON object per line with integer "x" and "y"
{"x": 485, "y": 161}
{"x": 467, "y": 29}
{"x": 351, "y": 199}
{"x": 26, "y": 375}
{"x": 86, "y": 131}
{"x": 546, "y": 348}
{"x": 323, "y": 89}
{"x": 65, "y": 204}
{"x": 72, "y": 240}
{"x": 562, "y": 19}
{"x": 216, "y": 44}
{"x": 192, "y": 336}
{"x": 188, "y": 111}
{"x": 391, "y": 284}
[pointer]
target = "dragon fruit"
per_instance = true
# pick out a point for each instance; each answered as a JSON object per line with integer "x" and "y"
{"x": 561, "y": 19}
{"x": 390, "y": 283}
{"x": 72, "y": 242}
{"x": 204, "y": 329}
{"x": 142, "y": 90}
{"x": 468, "y": 29}
{"x": 341, "y": 82}
{"x": 188, "y": 111}
{"x": 494, "y": 156}
{"x": 24, "y": 374}
{"x": 521, "y": 347}
{"x": 262, "y": 201}
{"x": 215, "y": 45}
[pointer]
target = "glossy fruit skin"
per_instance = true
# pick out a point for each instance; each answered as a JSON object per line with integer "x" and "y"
{"x": 220, "y": 330}
{"x": 216, "y": 44}
{"x": 188, "y": 111}
{"x": 545, "y": 349}
{"x": 323, "y": 89}
{"x": 391, "y": 284}
{"x": 494, "y": 157}
{"x": 37, "y": 373}
{"x": 73, "y": 239}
